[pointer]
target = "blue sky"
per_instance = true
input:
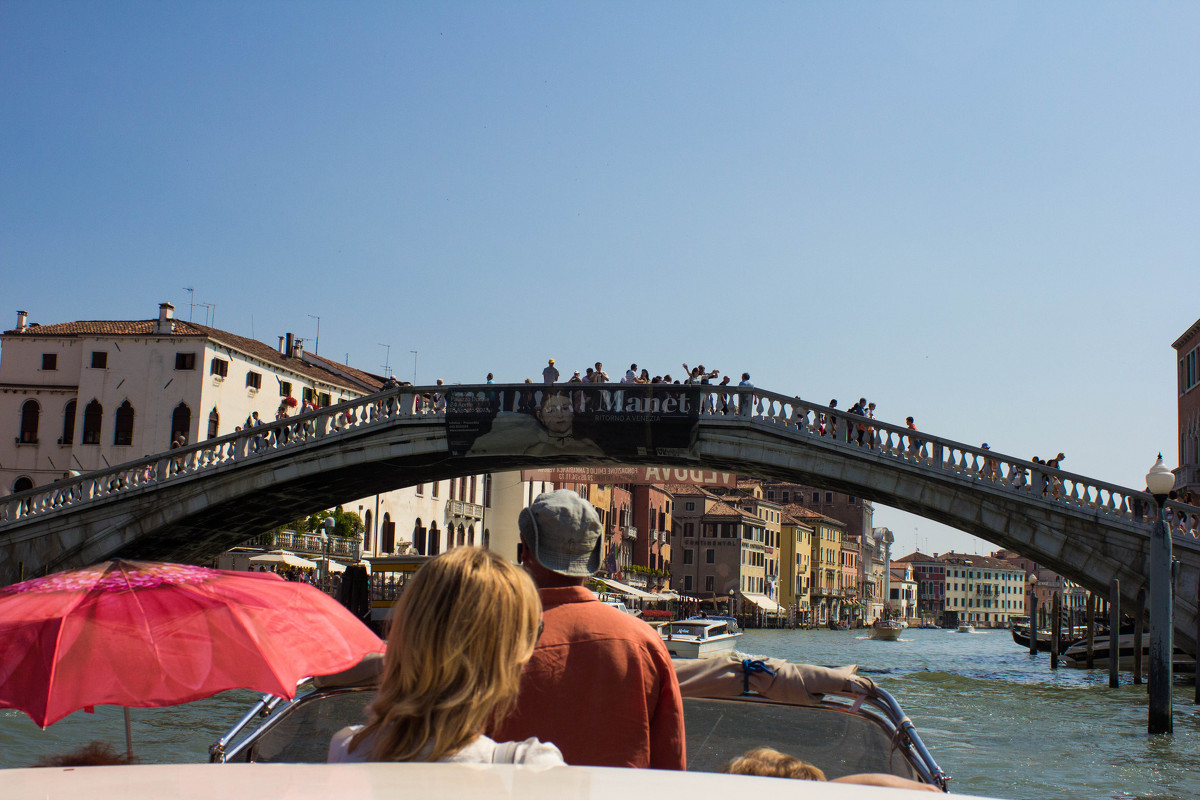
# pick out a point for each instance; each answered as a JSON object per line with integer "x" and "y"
{"x": 983, "y": 215}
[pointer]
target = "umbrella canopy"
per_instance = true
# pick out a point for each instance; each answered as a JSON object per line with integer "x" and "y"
{"x": 149, "y": 634}
{"x": 285, "y": 558}
{"x": 334, "y": 566}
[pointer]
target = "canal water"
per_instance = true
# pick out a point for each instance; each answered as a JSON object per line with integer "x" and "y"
{"x": 996, "y": 719}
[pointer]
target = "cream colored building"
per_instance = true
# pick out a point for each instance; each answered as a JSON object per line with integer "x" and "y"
{"x": 982, "y": 590}
{"x": 81, "y": 396}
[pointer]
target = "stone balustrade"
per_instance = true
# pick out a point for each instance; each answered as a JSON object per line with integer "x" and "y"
{"x": 856, "y": 436}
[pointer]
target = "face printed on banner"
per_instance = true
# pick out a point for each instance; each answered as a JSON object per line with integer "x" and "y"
{"x": 557, "y": 415}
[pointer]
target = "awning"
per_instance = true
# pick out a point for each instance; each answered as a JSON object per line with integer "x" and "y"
{"x": 621, "y": 588}
{"x": 763, "y": 602}
{"x": 285, "y": 558}
{"x": 334, "y": 566}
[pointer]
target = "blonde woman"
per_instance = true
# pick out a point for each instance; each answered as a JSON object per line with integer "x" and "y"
{"x": 463, "y": 629}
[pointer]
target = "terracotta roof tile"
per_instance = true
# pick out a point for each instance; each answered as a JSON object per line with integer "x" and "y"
{"x": 182, "y": 328}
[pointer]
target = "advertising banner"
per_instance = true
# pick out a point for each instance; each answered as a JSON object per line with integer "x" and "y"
{"x": 606, "y": 474}
{"x": 575, "y": 419}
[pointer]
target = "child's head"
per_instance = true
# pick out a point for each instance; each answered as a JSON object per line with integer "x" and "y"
{"x": 465, "y": 625}
{"x": 771, "y": 763}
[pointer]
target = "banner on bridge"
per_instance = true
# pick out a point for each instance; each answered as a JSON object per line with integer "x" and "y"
{"x": 618, "y": 420}
{"x": 653, "y": 475}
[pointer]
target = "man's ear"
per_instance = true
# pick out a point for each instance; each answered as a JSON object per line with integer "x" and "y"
{"x": 520, "y": 552}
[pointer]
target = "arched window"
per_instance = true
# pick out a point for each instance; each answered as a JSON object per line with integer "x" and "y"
{"x": 214, "y": 421}
{"x": 471, "y": 536}
{"x": 29, "y": 421}
{"x": 68, "y": 431}
{"x": 462, "y": 536}
{"x": 387, "y": 537}
{"x": 419, "y": 537}
{"x": 367, "y": 532}
{"x": 434, "y": 541}
{"x": 22, "y": 484}
{"x": 93, "y": 415}
{"x": 487, "y": 538}
{"x": 123, "y": 427}
{"x": 181, "y": 422}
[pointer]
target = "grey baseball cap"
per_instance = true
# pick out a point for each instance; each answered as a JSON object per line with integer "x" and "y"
{"x": 564, "y": 531}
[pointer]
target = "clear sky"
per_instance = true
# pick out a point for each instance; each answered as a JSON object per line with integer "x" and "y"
{"x": 985, "y": 215}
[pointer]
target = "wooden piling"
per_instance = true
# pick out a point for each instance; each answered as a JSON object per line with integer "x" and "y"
{"x": 1138, "y": 620}
{"x": 1055, "y": 629}
{"x": 1114, "y": 632}
{"x": 1091, "y": 631}
{"x": 1033, "y": 625}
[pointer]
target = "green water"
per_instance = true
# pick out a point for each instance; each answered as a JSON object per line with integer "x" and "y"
{"x": 997, "y": 720}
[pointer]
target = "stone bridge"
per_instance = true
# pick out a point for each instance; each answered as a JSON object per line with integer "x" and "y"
{"x": 192, "y": 503}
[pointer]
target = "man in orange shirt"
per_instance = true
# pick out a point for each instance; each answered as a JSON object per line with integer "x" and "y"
{"x": 600, "y": 684}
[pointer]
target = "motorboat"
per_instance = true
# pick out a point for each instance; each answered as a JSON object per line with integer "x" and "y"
{"x": 1075, "y": 655}
{"x": 964, "y": 627}
{"x": 700, "y": 638}
{"x": 887, "y": 630}
{"x": 831, "y": 717}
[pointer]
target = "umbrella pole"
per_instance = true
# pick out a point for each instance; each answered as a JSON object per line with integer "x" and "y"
{"x": 128, "y": 736}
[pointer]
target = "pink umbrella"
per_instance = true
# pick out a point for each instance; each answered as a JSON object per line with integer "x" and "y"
{"x": 146, "y": 634}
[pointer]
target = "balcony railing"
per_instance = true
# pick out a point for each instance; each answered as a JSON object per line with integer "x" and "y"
{"x": 462, "y": 509}
{"x": 306, "y": 544}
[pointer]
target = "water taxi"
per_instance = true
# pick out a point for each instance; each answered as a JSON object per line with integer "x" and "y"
{"x": 964, "y": 627}
{"x": 700, "y": 637}
{"x": 831, "y": 717}
{"x": 887, "y": 630}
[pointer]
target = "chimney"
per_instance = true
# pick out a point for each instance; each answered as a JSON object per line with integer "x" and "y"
{"x": 165, "y": 312}
{"x": 291, "y": 345}
{"x": 298, "y": 351}
{"x": 22, "y": 321}
{"x": 281, "y": 350}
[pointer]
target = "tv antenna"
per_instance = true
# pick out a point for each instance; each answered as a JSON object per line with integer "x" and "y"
{"x": 191, "y": 301}
{"x": 387, "y": 360}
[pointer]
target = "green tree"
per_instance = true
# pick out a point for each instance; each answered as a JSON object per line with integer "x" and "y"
{"x": 348, "y": 524}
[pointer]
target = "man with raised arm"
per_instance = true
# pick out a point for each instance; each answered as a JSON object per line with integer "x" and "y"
{"x": 600, "y": 684}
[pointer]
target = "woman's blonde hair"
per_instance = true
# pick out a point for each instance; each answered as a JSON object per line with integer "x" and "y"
{"x": 773, "y": 764}
{"x": 465, "y": 625}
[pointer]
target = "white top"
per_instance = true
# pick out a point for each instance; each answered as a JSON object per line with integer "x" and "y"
{"x": 481, "y": 750}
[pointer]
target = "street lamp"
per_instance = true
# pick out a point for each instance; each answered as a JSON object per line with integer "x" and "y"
{"x": 732, "y": 594}
{"x": 330, "y": 524}
{"x": 1160, "y": 481}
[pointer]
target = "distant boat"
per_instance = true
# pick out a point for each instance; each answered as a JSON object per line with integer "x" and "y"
{"x": 887, "y": 630}
{"x": 964, "y": 627}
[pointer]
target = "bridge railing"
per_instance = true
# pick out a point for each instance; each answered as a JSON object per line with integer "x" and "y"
{"x": 1005, "y": 473}
{"x": 256, "y": 442}
{"x": 869, "y": 437}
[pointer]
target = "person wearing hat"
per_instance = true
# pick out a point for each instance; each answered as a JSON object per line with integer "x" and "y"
{"x": 550, "y": 373}
{"x": 600, "y": 684}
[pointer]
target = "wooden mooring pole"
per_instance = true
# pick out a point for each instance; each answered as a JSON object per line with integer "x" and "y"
{"x": 1114, "y": 632}
{"x": 1091, "y": 630}
{"x": 1055, "y": 629}
{"x": 1033, "y": 625}
{"x": 1138, "y": 620}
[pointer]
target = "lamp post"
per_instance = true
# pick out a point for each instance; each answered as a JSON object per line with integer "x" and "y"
{"x": 732, "y": 597}
{"x": 1033, "y": 623}
{"x": 1160, "y": 481}
{"x": 330, "y": 524}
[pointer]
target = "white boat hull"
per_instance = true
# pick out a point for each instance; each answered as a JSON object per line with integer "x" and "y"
{"x": 687, "y": 647}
